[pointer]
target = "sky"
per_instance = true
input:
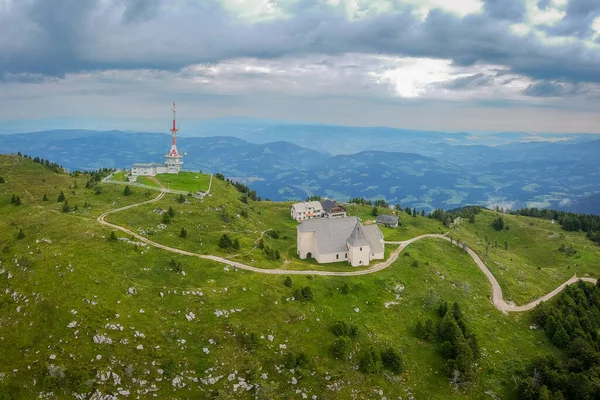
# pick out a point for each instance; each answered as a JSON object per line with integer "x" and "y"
{"x": 448, "y": 65}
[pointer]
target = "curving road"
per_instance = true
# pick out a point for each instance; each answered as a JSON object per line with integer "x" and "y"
{"x": 497, "y": 298}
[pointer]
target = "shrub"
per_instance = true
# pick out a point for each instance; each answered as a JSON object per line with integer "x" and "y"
{"x": 21, "y": 234}
{"x": 181, "y": 199}
{"x": 370, "y": 361}
{"x": 165, "y": 218}
{"x": 171, "y": 212}
{"x": 345, "y": 288}
{"x": 2, "y": 180}
{"x": 61, "y": 197}
{"x": 127, "y": 191}
{"x": 272, "y": 234}
{"x": 341, "y": 328}
{"x": 45, "y": 198}
{"x": 65, "y": 207}
{"x": 225, "y": 241}
{"x": 288, "y": 281}
{"x": 498, "y": 223}
{"x": 183, "y": 233}
{"x": 341, "y": 348}
{"x": 112, "y": 237}
{"x": 304, "y": 294}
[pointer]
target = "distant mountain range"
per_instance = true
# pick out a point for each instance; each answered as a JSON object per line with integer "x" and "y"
{"x": 425, "y": 170}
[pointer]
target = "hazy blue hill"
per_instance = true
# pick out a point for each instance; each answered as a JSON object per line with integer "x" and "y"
{"x": 443, "y": 175}
{"x": 582, "y": 205}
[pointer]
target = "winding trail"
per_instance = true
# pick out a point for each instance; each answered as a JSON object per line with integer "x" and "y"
{"x": 497, "y": 298}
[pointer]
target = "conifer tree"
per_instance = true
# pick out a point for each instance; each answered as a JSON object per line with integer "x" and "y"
{"x": 45, "y": 198}
{"x": 61, "y": 197}
{"x": 21, "y": 234}
{"x": 127, "y": 191}
{"x": 183, "y": 233}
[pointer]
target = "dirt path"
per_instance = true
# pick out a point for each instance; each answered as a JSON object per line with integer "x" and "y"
{"x": 497, "y": 298}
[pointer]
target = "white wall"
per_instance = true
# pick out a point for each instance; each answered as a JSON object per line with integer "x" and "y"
{"x": 305, "y": 243}
{"x": 359, "y": 258}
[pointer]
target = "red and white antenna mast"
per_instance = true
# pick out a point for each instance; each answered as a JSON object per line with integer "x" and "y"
{"x": 174, "y": 130}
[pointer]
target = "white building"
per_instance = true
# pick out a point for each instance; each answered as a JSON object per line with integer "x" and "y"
{"x": 306, "y": 210}
{"x": 340, "y": 239}
{"x": 150, "y": 169}
{"x": 315, "y": 209}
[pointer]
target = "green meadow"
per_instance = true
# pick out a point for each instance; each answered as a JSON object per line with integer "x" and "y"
{"x": 81, "y": 314}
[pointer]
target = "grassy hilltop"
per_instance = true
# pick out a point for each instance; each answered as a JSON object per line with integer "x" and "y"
{"x": 80, "y": 313}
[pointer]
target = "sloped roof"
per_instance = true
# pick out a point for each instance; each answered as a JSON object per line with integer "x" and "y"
{"x": 301, "y": 207}
{"x": 387, "y": 219}
{"x": 329, "y": 204}
{"x": 357, "y": 238}
{"x": 332, "y": 234}
{"x": 375, "y": 238}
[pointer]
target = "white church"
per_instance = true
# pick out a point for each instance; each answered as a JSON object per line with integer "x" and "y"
{"x": 172, "y": 164}
{"x": 330, "y": 240}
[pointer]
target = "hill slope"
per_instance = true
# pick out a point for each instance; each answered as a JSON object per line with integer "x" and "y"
{"x": 80, "y": 313}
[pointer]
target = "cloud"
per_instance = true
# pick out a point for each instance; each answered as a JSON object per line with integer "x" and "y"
{"x": 470, "y": 81}
{"x": 578, "y": 19}
{"x": 512, "y": 10}
{"x": 55, "y": 37}
{"x": 552, "y": 89}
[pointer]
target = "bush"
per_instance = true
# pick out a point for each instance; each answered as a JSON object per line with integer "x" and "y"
{"x": 2, "y": 180}
{"x": 98, "y": 189}
{"x": 288, "y": 281}
{"x": 112, "y": 237}
{"x": 341, "y": 328}
{"x": 370, "y": 361}
{"x": 21, "y": 234}
{"x": 127, "y": 191}
{"x": 303, "y": 294}
{"x": 65, "y": 207}
{"x": 165, "y": 218}
{"x": 498, "y": 223}
{"x": 225, "y": 241}
{"x": 272, "y": 234}
{"x": 181, "y": 199}
{"x": 171, "y": 212}
{"x": 392, "y": 361}
{"x": 183, "y": 233}
{"x": 341, "y": 348}
{"x": 345, "y": 288}
{"x": 61, "y": 197}
{"x": 45, "y": 198}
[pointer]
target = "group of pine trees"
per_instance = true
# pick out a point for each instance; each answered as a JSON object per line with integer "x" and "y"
{"x": 569, "y": 221}
{"x": 457, "y": 343}
{"x": 572, "y": 323}
{"x": 225, "y": 242}
{"x": 47, "y": 163}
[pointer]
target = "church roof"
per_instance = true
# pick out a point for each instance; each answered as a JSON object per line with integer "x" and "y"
{"x": 358, "y": 237}
{"x": 332, "y": 234}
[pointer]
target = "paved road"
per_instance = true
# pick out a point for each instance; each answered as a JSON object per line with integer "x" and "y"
{"x": 497, "y": 298}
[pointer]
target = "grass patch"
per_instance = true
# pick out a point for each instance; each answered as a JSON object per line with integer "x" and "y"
{"x": 188, "y": 181}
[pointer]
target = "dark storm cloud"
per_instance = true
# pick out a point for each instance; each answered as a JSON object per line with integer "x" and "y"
{"x": 54, "y": 37}
{"x": 468, "y": 82}
{"x": 578, "y": 19}
{"x": 552, "y": 89}
{"x": 513, "y": 10}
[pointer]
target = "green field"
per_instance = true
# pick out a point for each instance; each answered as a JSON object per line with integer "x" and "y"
{"x": 64, "y": 283}
{"x": 531, "y": 266}
{"x": 188, "y": 181}
{"x": 146, "y": 180}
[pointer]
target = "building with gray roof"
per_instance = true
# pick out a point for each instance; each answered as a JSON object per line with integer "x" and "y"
{"x": 391, "y": 221}
{"x": 340, "y": 239}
